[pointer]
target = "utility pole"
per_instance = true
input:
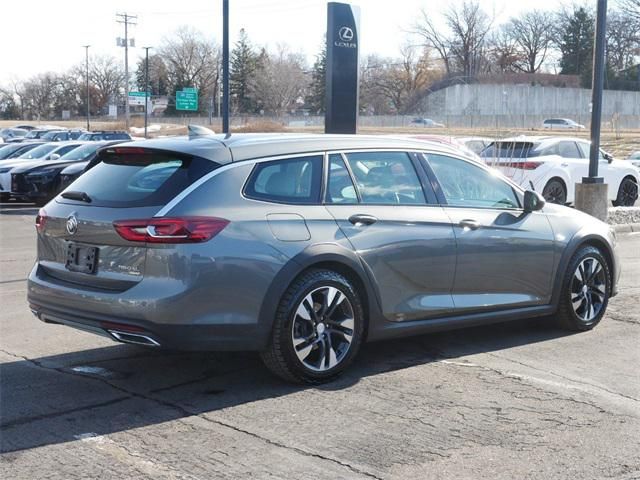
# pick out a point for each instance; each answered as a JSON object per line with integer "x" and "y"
{"x": 146, "y": 88}
{"x": 86, "y": 48}
{"x": 225, "y": 66}
{"x": 591, "y": 194}
{"x": 126, "y": 20}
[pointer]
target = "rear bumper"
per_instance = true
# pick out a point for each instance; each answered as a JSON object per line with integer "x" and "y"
{"x": 178, "y": 337}
{"x": 57, "y": 302}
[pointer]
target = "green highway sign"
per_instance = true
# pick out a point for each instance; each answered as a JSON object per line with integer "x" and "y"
{"x": 189, "y": 89}
{"x": 187, "y": 99}
{"x": 136, "y": 94}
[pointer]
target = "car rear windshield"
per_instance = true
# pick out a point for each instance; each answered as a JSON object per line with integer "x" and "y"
{"x": 511, "y": 150}
{"x": 137, "y": 178}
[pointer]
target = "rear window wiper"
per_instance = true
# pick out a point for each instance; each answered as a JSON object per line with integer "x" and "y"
{"x": 80, "y": 196}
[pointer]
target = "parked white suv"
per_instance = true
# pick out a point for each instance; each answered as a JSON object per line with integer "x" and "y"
{"x": 553, "y": 165}
{"x": 561, "y": 124}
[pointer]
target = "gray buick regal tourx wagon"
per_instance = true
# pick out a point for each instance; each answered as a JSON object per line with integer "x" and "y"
{"x": 302, "y": 247}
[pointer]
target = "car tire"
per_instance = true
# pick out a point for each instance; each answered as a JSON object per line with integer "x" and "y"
{"x": 585, "y": 290}
{"x": 627, "y": 193}
{"x": 555, "y": 192}
{"x": 316, "y": 349}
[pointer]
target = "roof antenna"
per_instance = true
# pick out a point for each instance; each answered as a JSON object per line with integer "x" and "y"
{"x": 196, "y": 131}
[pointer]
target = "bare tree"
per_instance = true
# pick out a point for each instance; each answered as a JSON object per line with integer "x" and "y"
{"x": 106, "y": 79}
{"x": 39, "y": 94}
{"x": 623, "y": 40}
{"x": 533, "y": 34}
{"x": 280, "y": 82}
{"x": 631, "y": 8}
{"x": 400, "y": 83}
{"x": 192, "y": 61}
{"x": 462, "y": 46}
{"x": 504, "y": 53}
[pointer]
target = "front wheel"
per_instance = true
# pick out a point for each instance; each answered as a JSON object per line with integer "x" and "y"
{"x": 555, "y": 192}
{"x": 585, "y": 291}
{"x": 627, "y": 193}
{"x": 317, "y": 330}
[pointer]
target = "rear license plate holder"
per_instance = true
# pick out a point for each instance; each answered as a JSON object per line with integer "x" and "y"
{"x": 81, "y": 258}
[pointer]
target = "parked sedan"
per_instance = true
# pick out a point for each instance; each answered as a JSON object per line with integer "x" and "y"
{"x": 553, "y": 165}
{"x": 10, "y": 158}
{"x": 42, "y": 181}
{"x": 427, "y": 122}
{"x": 62, "y": 135}
{"x": 43, "y": 152}
{"x": 33, "y": 135}
{"x": 7, "y": 134}
{"x": 304, "y": 247}
{"x": 101, "y": 135}
{"x": 16, "y": 149}
{"x": 561, "y": 124}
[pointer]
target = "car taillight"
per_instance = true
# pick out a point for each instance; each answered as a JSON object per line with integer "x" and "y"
{"x": 41, "y": 220}
{"x": 522, "y": 165}
{"x": 170, "y": 230}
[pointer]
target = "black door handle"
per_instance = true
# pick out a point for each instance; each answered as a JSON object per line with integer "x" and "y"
{"x": 362, "y": 219}
{"x": 470, "y": 224}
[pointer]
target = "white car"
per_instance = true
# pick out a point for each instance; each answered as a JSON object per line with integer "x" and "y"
{"x": 561, "y": 124}
{"x": 46, "y": 151}
{"x": 553, "y": 165}
{"x": 634, "y": 158}
{"x": 475, "y": 144}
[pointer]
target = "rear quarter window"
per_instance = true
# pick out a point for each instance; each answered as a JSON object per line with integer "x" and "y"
{"x": 140, "y": 179}
{"x": 292, "y": 181}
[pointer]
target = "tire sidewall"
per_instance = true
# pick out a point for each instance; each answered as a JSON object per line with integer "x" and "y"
{"x": 286, "y": 314}
{"x": 582, "y": 254}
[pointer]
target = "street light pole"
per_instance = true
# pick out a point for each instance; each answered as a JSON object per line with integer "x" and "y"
{"x": 591, "y": 195}
{"x": 146, "y": 88}
{"x": 86, "y": 51}
{"x": 225, "y": 66}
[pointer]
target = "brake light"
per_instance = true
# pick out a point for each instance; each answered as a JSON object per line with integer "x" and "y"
{"x": 522, "y": 165}
{"x": 41, "y": 220}
{"x": 129, "y": 150}
{"x": 170, "y": 230}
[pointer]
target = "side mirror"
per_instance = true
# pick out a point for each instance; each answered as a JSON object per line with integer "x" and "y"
{"x": 54, "y": 156}
{"x": 607, "y": 156}
{"x": 533, "y": 201}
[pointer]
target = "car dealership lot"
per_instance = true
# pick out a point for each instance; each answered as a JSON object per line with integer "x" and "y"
{"x": 519, "y": 400}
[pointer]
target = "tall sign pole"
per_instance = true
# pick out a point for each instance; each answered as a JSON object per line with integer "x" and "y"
{"x": 146, "y": 89}
{"x": 591, "y": 194}
{"x": 86, "y": 51}
{"x": 225, "y": 66}
{"x": 342, "y": 84}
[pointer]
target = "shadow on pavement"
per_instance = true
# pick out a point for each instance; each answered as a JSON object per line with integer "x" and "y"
{"x": 56, "y": 399}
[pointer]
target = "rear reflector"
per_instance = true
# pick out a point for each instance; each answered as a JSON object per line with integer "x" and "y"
{"x": 41, "y": 220}
{"x": 170, "y": 230}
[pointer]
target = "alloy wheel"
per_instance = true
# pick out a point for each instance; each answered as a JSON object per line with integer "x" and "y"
{"x": 628, "y": 193}
{"x": 554, "y": 193}
{"x": 323, "y": 328}
{"x": 588, "y": 289}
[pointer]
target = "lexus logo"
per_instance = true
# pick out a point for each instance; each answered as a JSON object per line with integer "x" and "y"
{"x": 345, "y": 34}
{"x": 72, "y": 224}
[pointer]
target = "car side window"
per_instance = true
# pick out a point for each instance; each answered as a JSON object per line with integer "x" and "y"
{"x": 568, "y": 150}
{"x": 340, "y": 187}
{"x": 466, "y": 185}
{"x": 386, "y": 178}
{"x": 293, "y": 180}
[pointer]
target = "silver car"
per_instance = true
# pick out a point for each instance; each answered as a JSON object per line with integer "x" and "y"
{"x": 302, "y": 247}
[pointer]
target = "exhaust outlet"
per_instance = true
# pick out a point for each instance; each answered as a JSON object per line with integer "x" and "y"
{"x": 135, "y": 338}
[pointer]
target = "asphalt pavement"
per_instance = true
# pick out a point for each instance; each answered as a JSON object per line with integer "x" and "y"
{"x": 521, "y": 400}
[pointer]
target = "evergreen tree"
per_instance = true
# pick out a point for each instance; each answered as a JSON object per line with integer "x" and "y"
{"x": 576, "y": 45}
{"x": 315, "y": 100}
{"x": 244, "y": 64}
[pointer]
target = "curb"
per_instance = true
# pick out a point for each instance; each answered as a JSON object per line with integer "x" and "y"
{"x": 626, "y": 228}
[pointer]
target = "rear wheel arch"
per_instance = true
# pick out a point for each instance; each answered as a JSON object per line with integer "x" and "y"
{"x": 564, "y": 182}
{"x": 328, "y": 257}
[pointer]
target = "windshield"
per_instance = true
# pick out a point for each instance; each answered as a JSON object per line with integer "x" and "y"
{"x": 34, "y": 134}
{"x": 82, "y": 152}
{"x": 511, "y": 150}
{"x": 49, "y": 135}
{"x": 40, "y": 151}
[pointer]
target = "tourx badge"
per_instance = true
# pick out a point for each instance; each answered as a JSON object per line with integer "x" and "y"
{"x": 72, "y": 224}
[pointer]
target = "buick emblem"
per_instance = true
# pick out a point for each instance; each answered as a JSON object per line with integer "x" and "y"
{"x": 345, "y": 34}
{"x": 72, "y": 224}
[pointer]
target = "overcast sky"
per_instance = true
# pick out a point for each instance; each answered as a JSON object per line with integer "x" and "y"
{"x": 47, "y": 35}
